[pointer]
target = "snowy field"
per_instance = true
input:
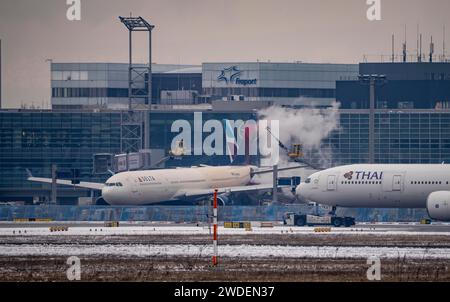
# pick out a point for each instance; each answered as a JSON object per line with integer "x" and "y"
{"x": 204, "y": 230}
{"x": 237, "y": 251}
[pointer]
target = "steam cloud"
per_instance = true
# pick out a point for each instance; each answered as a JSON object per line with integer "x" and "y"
{"x": 308, "y": 126}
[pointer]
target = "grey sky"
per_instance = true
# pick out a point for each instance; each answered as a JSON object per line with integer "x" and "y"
{"x": 196, "y": 31}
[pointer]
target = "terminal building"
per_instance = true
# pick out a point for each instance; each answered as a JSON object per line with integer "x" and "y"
{"x": 406, "y": 86}
{"x": 105, "y": 85}
{"x": 285, "y": 84}
{"x": 411, "y": 118}
{"x": 411, "y": 114}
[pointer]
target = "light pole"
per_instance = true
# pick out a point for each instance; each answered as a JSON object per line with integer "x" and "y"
{"x": 372, "y": 80}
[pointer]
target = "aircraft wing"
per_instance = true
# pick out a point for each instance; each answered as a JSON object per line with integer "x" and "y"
{"x": 270, "y": 170}
{"x": 82, "y": 184}
{"x": 200, "y": 192}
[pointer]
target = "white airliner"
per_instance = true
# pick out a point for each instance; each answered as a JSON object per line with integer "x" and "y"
{"x": 382, "y": 186}
{"x": 155, "y": 186}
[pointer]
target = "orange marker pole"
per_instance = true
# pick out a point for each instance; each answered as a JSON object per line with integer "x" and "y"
{"x": 215, "y": 257}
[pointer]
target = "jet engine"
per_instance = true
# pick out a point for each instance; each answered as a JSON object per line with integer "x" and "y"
{"x": 438, "y": 205}
{"x": 223, "y": 199}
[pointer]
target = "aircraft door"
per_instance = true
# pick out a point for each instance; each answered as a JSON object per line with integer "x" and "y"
{"x": 331, "y": 182}
{"x": 134, "y": 186}
{"x": 397, "y": 183}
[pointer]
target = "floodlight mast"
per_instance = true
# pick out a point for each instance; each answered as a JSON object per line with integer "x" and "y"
{"x": 138, "y": 73}
{"x": 139, "y": 86}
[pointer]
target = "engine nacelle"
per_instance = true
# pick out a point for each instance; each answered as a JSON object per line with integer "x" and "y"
{"x": 438, "y": 205}
{"x": 101, "y": 202}
{"x": 223, "y": 199}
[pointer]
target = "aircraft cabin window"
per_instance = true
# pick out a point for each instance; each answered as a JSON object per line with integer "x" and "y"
{"x": 308, "y": 180}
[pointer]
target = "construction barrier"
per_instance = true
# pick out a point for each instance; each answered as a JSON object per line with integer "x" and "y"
{"x": 322, "y": 230}
{"x": 59, "y": 229}
{"x": 237, "y": 225}
{"x": 111, "y": 224}
{"x": 33, "y": 219}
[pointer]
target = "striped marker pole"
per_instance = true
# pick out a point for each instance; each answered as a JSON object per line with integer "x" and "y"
{"x": 214, "y": 259}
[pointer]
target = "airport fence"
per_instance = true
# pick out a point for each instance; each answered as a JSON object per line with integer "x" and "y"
{"x": 179, "y": 214}
{"x": 192, "y": 214}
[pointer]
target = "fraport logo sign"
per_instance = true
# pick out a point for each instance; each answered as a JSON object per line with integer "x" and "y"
{"x": 231, "y": 75}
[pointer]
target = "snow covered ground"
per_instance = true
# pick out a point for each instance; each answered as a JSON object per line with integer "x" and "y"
{"x": 202, "y": 230}
{"x": 239, "y": 251}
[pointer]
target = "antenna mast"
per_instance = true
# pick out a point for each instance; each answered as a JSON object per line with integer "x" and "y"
{"x": 443, "y": 45}
{"x": 420, "y": 58}
{"x": 393, "y": 55}
{"x": 431, "y": 50}
{"x": 404, "y": 48}
{"x": 417, "y": 43}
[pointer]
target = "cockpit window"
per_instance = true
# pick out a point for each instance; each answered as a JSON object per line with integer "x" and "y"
{"x": 308, "y": 180}
{"x": 114, "y": 184}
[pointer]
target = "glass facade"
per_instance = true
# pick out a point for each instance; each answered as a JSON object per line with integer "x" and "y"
{"x": 347, "y": 145}
{"x": 395, "y": 94}
{"x": 85, "y": 85}
{"x": 271, "y": 92}
{"x": 279, "y": 82}
{"x": 35, "y": 140}
{"x": 161, "y": 136}
{"x": 399, "y": 137}
{"x": 412, "y": 137}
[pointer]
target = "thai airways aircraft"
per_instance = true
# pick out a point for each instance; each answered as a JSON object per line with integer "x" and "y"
{"x": 155, "y": 186}
{"x": 382, "y": 186}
